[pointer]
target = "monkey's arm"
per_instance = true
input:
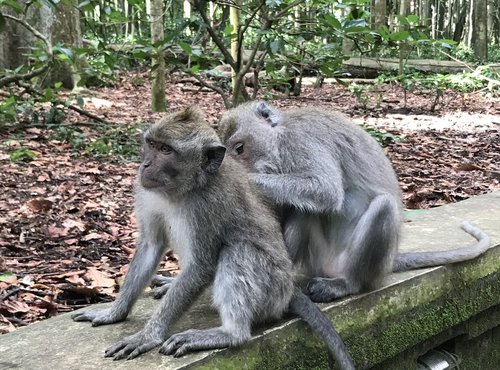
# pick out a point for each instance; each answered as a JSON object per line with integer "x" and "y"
{"x": 150, "y": 249}
{"x": 140, "y": 271}
{"x": 305, "y": 192}
{"x": 185, "y": 288}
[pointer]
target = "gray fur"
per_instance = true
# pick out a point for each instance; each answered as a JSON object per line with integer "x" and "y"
{"x": 338, "y": 195}
{"x": 204, "y": 207}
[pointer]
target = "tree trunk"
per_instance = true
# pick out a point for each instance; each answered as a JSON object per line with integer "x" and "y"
{"x": 158, "y": 99}
{"x": 460, "y": 22}
{"x": 495, "y": 21}
{"x": 479, "y": 28}
{"x": 379, "y": 14}
{"x": 234, "y": 19}
{"x": 403, "y": 52}
{"x": 187, "y": 15}
{"x": 425, "y": 13}
{"x": 60, "y": 24}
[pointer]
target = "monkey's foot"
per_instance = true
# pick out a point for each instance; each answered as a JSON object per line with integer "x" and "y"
{"x": 134, "y": 345}
{"x": 99, "y": 317}
{"x": 327, "y": 290}
{"x": 162, "y": 284}
{"x": 196, "y": 340}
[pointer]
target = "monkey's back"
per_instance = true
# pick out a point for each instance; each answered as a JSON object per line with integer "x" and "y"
{"x": 253, "y": 261}
{"x": 330, "y": 136}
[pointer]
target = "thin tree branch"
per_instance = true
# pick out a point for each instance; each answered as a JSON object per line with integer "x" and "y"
{"x": 83, "y": 112}
{"x": 23, "y": 77}
{"x": 33, "y": 31}
{"x": 250, "y": 19}
{"x": 285, "y": 10}
{"x": 215, "y": 38}
{"x": 210, "y": 86}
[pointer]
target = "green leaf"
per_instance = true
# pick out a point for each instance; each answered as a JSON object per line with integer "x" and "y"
{"x": 275, "y": 46}
{"x": 273, "y": 3}
{"x": 6, "y": 276}
{"x": 399, "y": 36}
{"x": 80, "y": 101}
{"x": 186, "y": 47}
{"x": 22, "y": 154}
{"x": 228, "y": 30}
{"x": 413, "y": 18}
{"x": 14, "y": 5}
{"x": 332, "y": 21}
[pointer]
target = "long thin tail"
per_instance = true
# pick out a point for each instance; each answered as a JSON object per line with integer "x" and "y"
{"x": 409, "y": 261}
{"x": 303, "y": 307}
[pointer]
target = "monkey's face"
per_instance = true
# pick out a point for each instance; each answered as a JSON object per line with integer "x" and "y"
{"x": 250, "y": 139}
{"x": 159, "y": 168}
{"x": 180, "y": 153}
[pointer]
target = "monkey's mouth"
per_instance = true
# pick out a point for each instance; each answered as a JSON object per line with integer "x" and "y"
{"x": 149, "y": 183}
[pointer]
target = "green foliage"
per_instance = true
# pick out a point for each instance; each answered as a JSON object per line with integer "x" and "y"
{"x": 5, "y": 276}
{"x": 359, "y": 91}
{"x": 8, "y": 110}
{"x": 119, "y": 141}
{"x": 22, "y": 154}
{"x": 384, "y": 138}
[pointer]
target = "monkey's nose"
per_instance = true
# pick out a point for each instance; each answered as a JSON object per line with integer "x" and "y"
{"x": 146, "y": 164}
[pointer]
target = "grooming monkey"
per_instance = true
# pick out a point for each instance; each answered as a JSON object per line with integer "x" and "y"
{"x": 338, "y": 195}
{"x": 189, "y": 196}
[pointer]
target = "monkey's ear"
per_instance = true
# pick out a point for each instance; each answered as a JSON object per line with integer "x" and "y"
{"x": 271, "y": 115}
{"x": 214, "y": 155}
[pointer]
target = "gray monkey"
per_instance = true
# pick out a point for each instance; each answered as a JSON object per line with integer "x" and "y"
{"x": 189, "y": 196}
{"x": 337, "y": 193}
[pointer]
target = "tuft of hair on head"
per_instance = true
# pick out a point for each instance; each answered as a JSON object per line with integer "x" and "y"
{"x": 191, "y": 113}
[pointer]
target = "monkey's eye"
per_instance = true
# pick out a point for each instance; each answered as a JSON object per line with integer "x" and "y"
{"x": 166, "y": 149}
{"x": 239, "y": 148}
{"x": 150, "y": 143}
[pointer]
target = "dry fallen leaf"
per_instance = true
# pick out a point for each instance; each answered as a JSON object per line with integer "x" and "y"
{"x": 9, "y": 306}
{"x": 91, "y": 236}
{"x": 98, "y": 278}
{"x": 6, "y": 326}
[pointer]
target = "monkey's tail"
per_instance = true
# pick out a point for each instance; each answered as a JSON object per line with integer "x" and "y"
{"x": 303, "y": 307}
{"x": 409, "y": 261}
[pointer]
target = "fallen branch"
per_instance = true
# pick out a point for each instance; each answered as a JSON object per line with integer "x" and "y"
{"x": 83, "y": 112}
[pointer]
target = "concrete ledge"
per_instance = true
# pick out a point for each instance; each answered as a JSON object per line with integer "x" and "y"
{"x": 388, "y": 328}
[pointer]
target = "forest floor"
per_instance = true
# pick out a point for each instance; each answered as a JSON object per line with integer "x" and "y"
{"x": 67, "y": 228}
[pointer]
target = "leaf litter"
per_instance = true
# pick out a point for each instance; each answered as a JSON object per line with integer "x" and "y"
{"x": 67, "y": 228}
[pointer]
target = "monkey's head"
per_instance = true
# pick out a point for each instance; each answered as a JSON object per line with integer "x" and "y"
{"x": 250, "y": 133}
{"x": 180, "y": 153}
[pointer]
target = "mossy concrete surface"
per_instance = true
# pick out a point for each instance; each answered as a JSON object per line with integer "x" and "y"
{"x": 387, "y": 328}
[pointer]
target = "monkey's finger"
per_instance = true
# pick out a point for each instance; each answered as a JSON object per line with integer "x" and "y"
{"x": 141, "y": 349}
{"x": 171, "y": 344}
{"x": 182, "y": 350}
{"x": 111, "y": 351}
{"x": 82, "y": 316}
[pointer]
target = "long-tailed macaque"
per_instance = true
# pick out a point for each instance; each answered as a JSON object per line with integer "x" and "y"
{"x": 189, "y": 196}
{"x": 337, "y": 193}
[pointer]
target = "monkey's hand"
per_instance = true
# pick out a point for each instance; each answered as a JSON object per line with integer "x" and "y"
{"x": 100, "y": 317}
{"x": 162, "y": 284}
{"x": 134, "y": 345}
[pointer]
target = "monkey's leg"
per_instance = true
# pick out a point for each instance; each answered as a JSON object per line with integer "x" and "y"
{"x": 161, "y": 284}
{"x": 181, "y": 294}
{"x": 363, "y": 263}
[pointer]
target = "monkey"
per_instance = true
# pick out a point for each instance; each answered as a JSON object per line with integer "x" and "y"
{"x": 192, "y": 197}
{"x": 337, "y": 194}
